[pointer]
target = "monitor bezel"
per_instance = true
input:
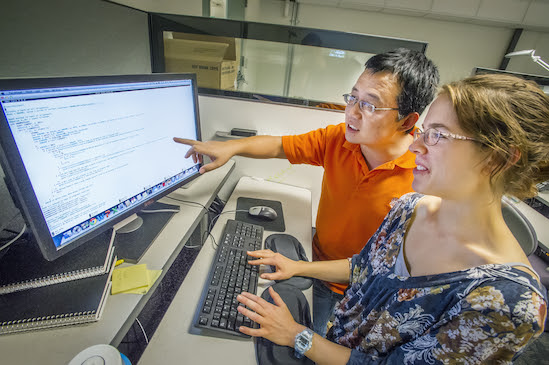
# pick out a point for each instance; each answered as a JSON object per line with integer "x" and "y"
{"x": 19, "y": 183}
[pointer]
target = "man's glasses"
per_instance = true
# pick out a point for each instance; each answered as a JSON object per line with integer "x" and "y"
{"x": 362, "y": 105}
{"x": 431, "y": 136}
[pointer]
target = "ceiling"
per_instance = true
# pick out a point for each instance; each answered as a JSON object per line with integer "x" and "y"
{"x": 526, "y": 14}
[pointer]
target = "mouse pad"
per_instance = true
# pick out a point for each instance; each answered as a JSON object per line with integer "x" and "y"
{"x": 244, "y": 203}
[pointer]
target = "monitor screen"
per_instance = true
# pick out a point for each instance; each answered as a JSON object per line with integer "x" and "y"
{"x": 83, "y": 153}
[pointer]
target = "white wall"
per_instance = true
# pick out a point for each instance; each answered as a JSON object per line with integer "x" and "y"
{"x": 455, "y": 47}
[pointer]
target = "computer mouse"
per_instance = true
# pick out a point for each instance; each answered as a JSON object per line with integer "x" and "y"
{"x": 264, "y": 212}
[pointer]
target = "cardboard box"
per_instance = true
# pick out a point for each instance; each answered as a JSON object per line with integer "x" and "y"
{"x": 213, "y": 59}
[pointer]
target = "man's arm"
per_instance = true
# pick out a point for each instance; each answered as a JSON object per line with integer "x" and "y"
{"x": 335, "y": 271}
{"x": 221, "y": 152}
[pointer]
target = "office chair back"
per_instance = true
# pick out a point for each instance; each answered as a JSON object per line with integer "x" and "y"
{"x": 520, "y": 227}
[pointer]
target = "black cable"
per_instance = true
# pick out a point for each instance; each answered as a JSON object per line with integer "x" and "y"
{"x": 213, "y": 239}
{"x": 10, "y": 231}
{"x": 209, "y": 230}
{"x": 188, "y": 201}
{"x": 195, "y": 203}
{"x": 217, "y": 205}
{"x": 17, "y": 214}
{"x": 214, "y": 219}
{"x": 6, "y": 245}
{"x": 216, "y": 208}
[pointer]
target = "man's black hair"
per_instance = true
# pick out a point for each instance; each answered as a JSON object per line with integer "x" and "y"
{"x": 418, "y": 77}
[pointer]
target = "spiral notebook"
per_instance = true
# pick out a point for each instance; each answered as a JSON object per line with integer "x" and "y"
{"x": 23, "y": 267}
{"x": 61, "y": 304}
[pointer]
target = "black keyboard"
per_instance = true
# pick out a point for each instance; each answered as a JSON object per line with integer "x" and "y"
{"x": 230, "y": 275}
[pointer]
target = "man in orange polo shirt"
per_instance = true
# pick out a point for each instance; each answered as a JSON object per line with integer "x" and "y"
{"x": 366, "y": 160}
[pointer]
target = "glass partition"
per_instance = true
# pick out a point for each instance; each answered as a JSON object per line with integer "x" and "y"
{"x": 267, "y": 62}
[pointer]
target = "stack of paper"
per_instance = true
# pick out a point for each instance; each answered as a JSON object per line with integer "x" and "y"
{"x": 135, "y": 279}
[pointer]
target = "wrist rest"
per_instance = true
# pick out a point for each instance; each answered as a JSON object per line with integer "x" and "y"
{"x": 290, "y": 247}
{"x": 269, "y": 353}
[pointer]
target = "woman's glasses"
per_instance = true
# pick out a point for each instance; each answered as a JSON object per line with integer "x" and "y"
{"x": 431, "y": 136}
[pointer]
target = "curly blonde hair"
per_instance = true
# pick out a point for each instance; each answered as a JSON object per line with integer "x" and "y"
{"x": 509, "y": 116}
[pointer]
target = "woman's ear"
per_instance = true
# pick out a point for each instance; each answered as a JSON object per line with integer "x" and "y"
{"x": 496, "y": 162}
{"x": 514, "y": 156}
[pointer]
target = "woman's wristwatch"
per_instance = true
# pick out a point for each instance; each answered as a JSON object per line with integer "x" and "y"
{"x": 303, "y": 342}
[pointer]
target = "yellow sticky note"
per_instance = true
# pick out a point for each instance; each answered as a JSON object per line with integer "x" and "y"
{"x": 131, "y": 277}
{"x": 153, "y": 276}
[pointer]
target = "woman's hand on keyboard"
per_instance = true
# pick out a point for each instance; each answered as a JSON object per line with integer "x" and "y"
{"x": 283, "y": 267}
{"x": 275, "y": 320}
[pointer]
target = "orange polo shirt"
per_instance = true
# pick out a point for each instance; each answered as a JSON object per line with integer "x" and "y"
{"x": 353, "y": 200}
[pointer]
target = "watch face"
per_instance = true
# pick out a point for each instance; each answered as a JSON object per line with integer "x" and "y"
{"x": 303, "y": 341}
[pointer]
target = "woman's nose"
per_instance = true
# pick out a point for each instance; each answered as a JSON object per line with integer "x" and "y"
{"x": 417, "y": 145}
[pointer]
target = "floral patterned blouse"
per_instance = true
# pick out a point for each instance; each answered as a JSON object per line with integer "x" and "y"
{"x": 483, "y": 314}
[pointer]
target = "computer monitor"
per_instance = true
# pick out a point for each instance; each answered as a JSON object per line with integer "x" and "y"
{"x": 81, "y": 154}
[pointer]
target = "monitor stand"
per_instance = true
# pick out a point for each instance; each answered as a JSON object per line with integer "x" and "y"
{"x": 132, "y": 240}
{"x": 132, "y": 226}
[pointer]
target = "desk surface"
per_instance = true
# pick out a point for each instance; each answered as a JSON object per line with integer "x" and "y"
{"x": 60, "y": 345}
{"x": 176, "y": 340}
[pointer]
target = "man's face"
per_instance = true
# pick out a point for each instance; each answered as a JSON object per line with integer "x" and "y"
{"x": 379, "y": 128}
